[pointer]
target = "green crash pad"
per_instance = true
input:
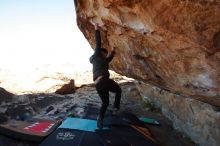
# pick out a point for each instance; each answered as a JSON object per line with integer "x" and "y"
{"x": 149, "y": 121}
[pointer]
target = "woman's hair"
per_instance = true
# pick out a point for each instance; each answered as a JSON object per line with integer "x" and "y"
{"x": 104, "y": 50}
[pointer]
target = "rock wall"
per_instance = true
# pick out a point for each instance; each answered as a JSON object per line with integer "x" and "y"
{"x": 198, "y": 120}
{"x": 173, "y": 48}
{"x": 172, "y": 44}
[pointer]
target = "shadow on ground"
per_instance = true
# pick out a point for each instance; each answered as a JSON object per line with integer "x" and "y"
{"x": 55, "y": 106}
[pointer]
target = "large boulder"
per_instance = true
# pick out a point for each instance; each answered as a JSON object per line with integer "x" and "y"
{"x": 5, "y": 96}
{"x": 172, "y": 44}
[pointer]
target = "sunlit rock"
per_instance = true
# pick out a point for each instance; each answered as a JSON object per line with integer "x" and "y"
{"x": 173, "y": 44}
{"x": 67, "y": 88}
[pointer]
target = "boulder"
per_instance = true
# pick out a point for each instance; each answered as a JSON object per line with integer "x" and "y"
{"x": 171, "y": 44}
{"x": 67, "y": 88}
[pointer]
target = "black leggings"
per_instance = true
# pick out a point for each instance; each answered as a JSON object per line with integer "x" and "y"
{"x": 103, "y": 87}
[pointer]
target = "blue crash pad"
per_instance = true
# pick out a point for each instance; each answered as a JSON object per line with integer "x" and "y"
{"x": 79, "y": 124}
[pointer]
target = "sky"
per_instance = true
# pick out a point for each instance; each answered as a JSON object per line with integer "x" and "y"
{"x": 38, "y": 32}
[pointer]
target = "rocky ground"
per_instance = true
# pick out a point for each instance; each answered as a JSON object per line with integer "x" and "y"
{"x": 55, "y": 106}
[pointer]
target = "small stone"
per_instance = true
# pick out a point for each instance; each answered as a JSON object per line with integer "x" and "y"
{"x": 49, "y": 109}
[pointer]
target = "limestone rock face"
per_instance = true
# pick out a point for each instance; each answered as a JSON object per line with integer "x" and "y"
{"x": 173, "y": 44}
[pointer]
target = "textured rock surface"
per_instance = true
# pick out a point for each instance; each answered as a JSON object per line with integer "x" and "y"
{"x": 54, "y": 106}
{"x": 173, "y": 44}
{"x": 67, "y": 88}
{"x": 198, "y": 120}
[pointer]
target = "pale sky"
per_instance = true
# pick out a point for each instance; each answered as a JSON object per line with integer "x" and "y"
{"x": 36, "y": 32}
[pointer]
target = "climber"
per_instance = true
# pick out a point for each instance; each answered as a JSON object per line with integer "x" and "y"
{"x": 100, "y": 61}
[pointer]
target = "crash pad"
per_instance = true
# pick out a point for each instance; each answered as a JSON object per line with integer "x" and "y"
{"x": 32, "y": 129}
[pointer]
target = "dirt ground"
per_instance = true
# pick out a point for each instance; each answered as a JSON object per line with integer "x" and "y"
{"x": 55, "y": 106}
